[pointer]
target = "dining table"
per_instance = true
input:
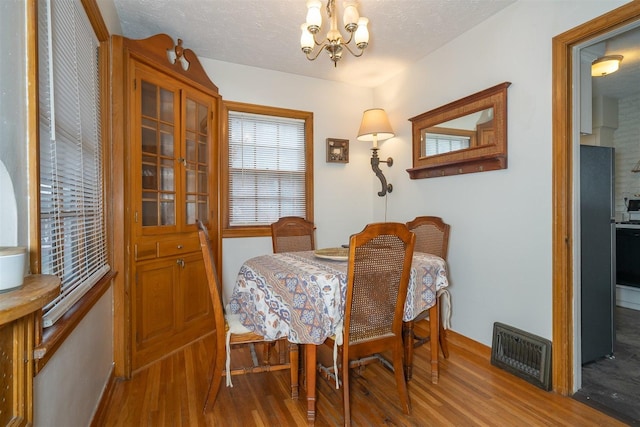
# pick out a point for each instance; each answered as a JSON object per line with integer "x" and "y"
{"x": 301, "y": 296}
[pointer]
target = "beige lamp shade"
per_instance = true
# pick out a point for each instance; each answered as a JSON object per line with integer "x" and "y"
{"x": 375, "y": 126}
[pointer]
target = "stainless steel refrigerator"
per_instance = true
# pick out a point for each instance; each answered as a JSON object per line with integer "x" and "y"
{"x": 597, "y": 249}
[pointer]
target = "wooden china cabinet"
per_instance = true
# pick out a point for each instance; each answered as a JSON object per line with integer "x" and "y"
{"x": 171, "y": 132}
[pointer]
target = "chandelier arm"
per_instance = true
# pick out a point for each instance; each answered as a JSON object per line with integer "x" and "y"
{"x": 313, "y": 57}
{"x": 324, "y": 42}
{"x": 357, "y": 55}
{"x": 350, "y": 38}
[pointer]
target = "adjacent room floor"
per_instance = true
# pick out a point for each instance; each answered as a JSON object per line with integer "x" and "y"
{"x": 612, "y": 385}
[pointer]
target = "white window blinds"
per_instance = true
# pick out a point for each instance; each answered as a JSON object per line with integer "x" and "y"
{"x": 437, "y": 144}
{"x": 71, "y": 165}
{"x": 266, "y": 168}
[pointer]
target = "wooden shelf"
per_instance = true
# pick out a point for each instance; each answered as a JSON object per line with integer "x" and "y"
{"x": 36, "y": 291}
{"x": 18, "y": 318}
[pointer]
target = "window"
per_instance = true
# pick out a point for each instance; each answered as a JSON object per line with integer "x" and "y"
{"x": 72, "y": 227}
{"x": 268, "y": 167}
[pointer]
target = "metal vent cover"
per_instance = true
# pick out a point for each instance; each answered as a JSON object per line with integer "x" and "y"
{"x": 522, "y": 354}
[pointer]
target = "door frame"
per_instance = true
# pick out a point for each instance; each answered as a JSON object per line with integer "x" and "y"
{"x": 563, "y": 374}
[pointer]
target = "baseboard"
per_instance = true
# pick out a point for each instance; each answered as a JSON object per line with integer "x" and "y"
{"x": 628, "y": 297}
{"x": 467, "y": 343}
{"x": 98, "y": 415}
{"x": 461, "y": 341}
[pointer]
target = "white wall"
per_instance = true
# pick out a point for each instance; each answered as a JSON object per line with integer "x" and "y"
{"x": 627, "y": 145}
{"x": 343, "y": 192}
{"x": 500, "y": 244}
{"x": 110, "y": 16}
{"x": 68, "y": 390}
{"x": 13, "y": 130}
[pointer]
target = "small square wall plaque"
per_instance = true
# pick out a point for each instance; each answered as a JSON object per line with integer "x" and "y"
{"x": 337, "y": 150}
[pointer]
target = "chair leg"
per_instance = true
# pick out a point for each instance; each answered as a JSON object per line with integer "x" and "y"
{"x": 443, "y": 342}
{"x": 345, "y": 389}
{"x": 293, "y": 361}
{"x": 214, "y": 386}
{"x": 419, "y": 341}
{"x": 302, "y": 372}
{"x": 408, "y": 337}
{"x": 442, "y": 331}
{"x": 398, "y": 370}
{"x": 281, "y": 351}
{"x": 266, "y": 353}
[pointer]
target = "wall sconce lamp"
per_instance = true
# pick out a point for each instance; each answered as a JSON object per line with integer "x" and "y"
{"x": 375, "y": 126}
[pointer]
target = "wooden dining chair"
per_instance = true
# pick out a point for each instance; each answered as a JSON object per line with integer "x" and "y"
{"x": 432, "y": 236}
{"x": 377, "y": 280}
{"x": 231, "y": 333}
{"x": 292, "y": 234}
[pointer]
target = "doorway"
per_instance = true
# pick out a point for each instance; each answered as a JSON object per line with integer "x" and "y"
{"x": 566, "y": 357}
{"x": 610, "y": 314}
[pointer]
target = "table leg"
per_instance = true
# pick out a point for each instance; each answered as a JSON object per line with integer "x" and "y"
{"x": 434, "y": 324}
{"x": 407, "y": 331}
{"x": 310, "y": 368}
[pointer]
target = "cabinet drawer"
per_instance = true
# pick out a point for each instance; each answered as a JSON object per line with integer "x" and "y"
{"x": 146, "y": 250}
{"x": 177, "y": 247}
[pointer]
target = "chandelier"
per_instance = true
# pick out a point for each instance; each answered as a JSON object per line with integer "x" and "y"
{"x": 334, "y": 43}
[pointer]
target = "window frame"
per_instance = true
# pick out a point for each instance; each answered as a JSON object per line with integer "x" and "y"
{"x": 49, "y": 340}
{"x": 261, "y": 230}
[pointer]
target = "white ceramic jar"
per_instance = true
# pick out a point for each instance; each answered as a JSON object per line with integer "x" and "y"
{"x": 12, "y": 266}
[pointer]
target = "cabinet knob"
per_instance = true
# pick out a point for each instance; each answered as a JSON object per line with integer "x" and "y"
{"x": 179, "y": 246}
{"x": 180, "y": 262}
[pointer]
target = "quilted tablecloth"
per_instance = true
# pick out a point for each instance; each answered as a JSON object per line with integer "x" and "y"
{"x": 301, "y": 296}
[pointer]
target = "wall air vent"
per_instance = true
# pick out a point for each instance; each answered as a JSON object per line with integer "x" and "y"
{"x": 522, "y": 354}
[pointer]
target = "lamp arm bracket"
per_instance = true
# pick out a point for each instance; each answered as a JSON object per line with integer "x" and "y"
{"x": 375, "y": 161}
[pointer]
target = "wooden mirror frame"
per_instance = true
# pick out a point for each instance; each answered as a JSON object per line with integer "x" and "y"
{"x": 480, "y": 158}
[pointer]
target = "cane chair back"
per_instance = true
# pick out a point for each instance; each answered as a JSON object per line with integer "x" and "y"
{"x": 377, "y": 279}
{"x": 292, "y": 234}
{"x": 230, "y": 328}
{"x": 432, "y": 236}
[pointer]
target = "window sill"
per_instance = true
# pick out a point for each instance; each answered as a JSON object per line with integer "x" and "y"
{"x": 256, "y": 231}
{"x": 54, "y": 336}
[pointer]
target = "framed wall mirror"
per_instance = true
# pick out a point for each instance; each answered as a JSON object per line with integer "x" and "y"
{"x": 465, "y": 136}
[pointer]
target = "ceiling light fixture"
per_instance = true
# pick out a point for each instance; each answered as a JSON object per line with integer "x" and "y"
{"x": 334, "y": 44}
{"x": 605, "y": 65}
{"x": 375, "y": 126}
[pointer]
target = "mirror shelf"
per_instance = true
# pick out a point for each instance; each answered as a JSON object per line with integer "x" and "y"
{"x": 465, "y": 136}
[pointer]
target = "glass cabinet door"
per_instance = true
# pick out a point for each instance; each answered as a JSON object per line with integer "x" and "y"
{"x": 196, "y": 155}
{"x": 158, "y": 148}
{"x": 173, "y": 140}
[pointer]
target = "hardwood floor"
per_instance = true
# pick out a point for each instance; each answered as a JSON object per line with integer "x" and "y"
{"x": 471, "y": 392}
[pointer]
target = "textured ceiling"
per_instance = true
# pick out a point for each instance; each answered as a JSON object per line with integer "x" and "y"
{"x": 625, "y": 81}
{"x": 266, "y": 33}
